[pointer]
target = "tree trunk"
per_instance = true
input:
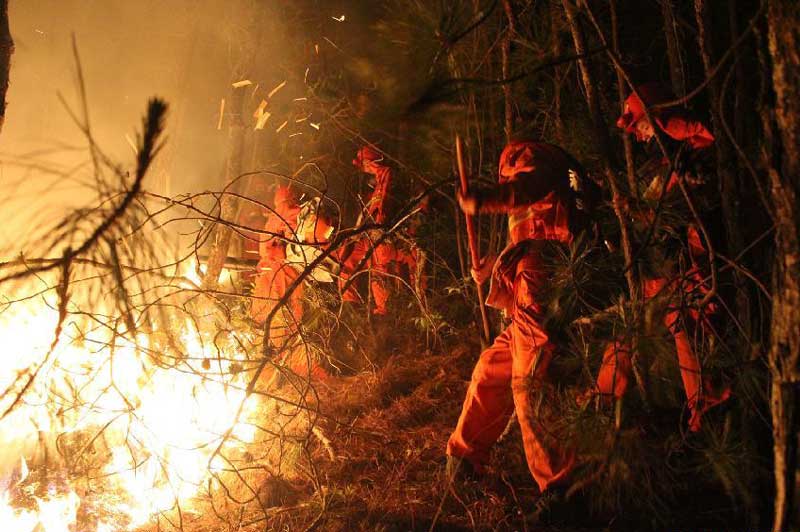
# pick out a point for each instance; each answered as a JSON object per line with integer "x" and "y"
{"x": 728, "y": 187}
{"x": 506, "y": 58}
{"x": 740, "y": 75}
{"x": 784, "y": 349}
{"x": 228, "y": 204}
{"x": 604, "y": 141}
{"x": 592, "y": 101}
{"x": 676, "y": 76}
{"x": 245, "y": 67}
{"x": 630, "y": 170}
{"x": 558, "y": 71}
{"x": 6, "y": 49}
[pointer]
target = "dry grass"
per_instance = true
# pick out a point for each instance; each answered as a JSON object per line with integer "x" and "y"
{"x": 389, "y": 429}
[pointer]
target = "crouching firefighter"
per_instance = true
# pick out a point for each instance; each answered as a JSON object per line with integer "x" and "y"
{"x": 548, "y": 200}
{"x": 665, "y": 279}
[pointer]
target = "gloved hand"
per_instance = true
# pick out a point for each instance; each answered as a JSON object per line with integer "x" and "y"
{"x": 484, "y": 270}
{"x": 468, "y": 202}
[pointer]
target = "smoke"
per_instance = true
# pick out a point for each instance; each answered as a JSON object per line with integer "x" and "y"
{"x": 180, "y": 50}
{"x": 188, "y": 52}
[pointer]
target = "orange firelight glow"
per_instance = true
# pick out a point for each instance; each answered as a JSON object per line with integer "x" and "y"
{"x": 165, "y": 414}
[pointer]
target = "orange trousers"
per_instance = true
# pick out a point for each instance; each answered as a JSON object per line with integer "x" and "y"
{"x": 271, "y": 283}
{"x": 615, "y": 371}
{"x": 407, "y": 257}
{"x": 378, "y": 264}
{"x": 507, "y": 372}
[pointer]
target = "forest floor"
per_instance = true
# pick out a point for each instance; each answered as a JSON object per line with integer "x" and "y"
{"x": 375, "y": 460}
{"x": 384, "y": 466}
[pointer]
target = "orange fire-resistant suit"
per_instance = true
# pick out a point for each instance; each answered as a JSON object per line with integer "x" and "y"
{"x": 615, "y": 371}
{"x": 274, "y": 274}
{"x": 385, "y": 253}
{"x": 542, "y": 198}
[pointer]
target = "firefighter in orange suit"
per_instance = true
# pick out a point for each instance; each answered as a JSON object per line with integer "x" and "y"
{"x": 410, "y": 257}
{"x": 615, "y": 371}
{"x": 547, "y": 200}
{"x": 273, "y": 274}
{"x": 292, "y": 235}
{"x": 375, "y": 210}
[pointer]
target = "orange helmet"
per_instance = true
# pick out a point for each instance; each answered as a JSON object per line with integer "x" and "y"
{"x": 366, "y": 155}
{"x": 517, "y": 157}
{"x": 652, "y": 94}
{"x": 285, "y": 196}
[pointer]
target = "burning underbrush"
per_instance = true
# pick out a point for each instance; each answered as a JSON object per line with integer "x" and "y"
{"x": 117, "y": 432}
{"x": 177, "y": 422}
{"x": 132, "y": 397}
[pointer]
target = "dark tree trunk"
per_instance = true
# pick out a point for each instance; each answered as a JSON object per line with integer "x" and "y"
{"x": 556, "y": 25}
{"x": 604, "y": 141}
{"x": 508, "y": 101}
{"x": 740, "y": 98}
{"x": 6, "y": 49}
{"x": 673, "y": 48}
{"x": 228, "y": 204}
{"x": 630, "y": 170}
{"x": 728, "y": 186}
{"x": 592, "y": 98}
{"x": 784, "y": 348}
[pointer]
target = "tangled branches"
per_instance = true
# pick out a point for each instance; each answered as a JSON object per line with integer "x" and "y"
{"x": 148, "y": 386}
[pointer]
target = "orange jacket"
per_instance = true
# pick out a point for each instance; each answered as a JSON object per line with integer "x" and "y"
{"x": 674, "y": 122}
{"x": 541, "y": 189}
{"x": 281, "y": 222}
{"x": 368, "y": 159}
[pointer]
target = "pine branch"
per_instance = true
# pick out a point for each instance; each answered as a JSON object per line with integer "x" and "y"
{"x": 153, "y": 126}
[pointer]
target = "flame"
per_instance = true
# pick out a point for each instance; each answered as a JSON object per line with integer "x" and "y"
{"x": 163, "y": 423}
{"x": 194, "y": 273}
{"x": 57, "y": 514}
{"x": 54, "y": 513}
